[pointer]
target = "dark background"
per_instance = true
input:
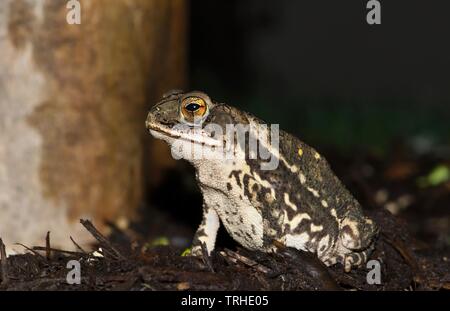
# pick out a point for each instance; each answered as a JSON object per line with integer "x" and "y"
{"x": 320, "y": 71}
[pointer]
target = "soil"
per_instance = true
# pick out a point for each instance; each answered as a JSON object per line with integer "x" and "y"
{"x": 413, "y": 248}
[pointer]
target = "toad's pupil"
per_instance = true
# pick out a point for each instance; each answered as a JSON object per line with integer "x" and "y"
{"x": 192, "y": 107}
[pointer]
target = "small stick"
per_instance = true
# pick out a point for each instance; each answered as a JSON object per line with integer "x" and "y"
{"x": 48, "y": 251}
{"x": 4, "y": 263}
{"x": 205, "y": 257}
{"x": 32, "y": 250}
{"x": 56, "y": 250}
{"x": 247, "y": 261}
{"x": 78, "y": 246}
{"x": 101, "y": 239}
{"x": 228, "y": 259}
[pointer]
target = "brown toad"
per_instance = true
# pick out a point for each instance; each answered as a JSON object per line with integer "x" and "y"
{"x": 261, "y": 183}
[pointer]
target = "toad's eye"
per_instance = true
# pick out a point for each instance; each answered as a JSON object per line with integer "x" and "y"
{"x": 193, "y": 108}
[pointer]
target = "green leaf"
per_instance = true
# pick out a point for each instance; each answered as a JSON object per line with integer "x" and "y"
{"x": 160, "y": 241}
{"x": 186, "y": 252}
{"x": 439, "y": 175}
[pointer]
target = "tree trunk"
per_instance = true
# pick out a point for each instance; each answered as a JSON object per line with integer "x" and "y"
{"x": 73, "y": 100}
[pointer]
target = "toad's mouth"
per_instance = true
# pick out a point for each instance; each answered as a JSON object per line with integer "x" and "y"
{"x": 195, "y": 135}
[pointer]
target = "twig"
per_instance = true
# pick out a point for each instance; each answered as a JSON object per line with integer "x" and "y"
{"x": 4, "y": 263}
{"x": 247, "y": 261}
{"x": 78, "y": 246}
{"x": 206, "y": 258}
{"x": 33, "y": 251}
{"x": 106, "y": 245}
{"x": 228, "y": 259}
{"x": 48, "y": 251}
{"x": 56, "y": 250}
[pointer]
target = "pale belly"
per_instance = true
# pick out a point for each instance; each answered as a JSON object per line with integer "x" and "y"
{"x": 241, "y": 220}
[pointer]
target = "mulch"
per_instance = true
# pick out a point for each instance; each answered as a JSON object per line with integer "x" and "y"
{"x": 136, "y": 268}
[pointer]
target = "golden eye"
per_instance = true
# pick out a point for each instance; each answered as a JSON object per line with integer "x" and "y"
{"x": 193, "y": 107}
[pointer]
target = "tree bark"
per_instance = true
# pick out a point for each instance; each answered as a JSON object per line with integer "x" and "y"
{"x": 73, "y": 100}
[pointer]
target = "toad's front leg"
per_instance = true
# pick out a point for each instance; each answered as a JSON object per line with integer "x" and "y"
{"x": 206, "y": 232}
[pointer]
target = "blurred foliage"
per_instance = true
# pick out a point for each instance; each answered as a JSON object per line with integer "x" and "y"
{"x": 439, "y": 175}
{"x": 349, "y": 125}
{"x": 159, "y": 241}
